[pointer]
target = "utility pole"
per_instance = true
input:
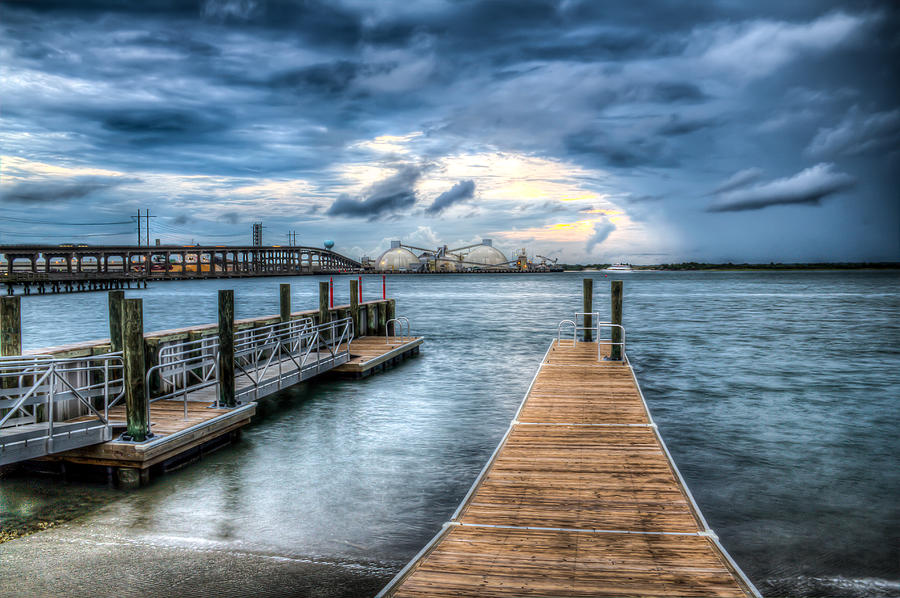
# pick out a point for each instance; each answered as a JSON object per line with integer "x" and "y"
{"x": 139, "y": 227}
{"x": 148, "y": 227}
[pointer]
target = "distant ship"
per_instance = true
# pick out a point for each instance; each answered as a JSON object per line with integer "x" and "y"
{"x": 618, "y": 268}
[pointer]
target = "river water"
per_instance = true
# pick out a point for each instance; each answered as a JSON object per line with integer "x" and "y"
{"x": 776, "y": 393}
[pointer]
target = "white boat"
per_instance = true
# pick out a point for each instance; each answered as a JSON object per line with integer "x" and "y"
{"x": 618, "y": 268}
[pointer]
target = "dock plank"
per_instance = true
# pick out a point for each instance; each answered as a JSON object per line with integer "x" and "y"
{"x": 580, "y": 499}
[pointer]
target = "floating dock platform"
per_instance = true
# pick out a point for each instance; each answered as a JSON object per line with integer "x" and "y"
{"x": 580, "y": 499}
{"x": 185, "y": 391}
{"x": 371, "y": 354}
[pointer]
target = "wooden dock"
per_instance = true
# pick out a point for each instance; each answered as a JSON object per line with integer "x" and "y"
{"x": 370, "y": 354}
{"x": 173, "y": 434}
{"x": 581, "y": 498}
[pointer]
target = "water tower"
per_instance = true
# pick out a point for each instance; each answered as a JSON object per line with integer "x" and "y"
{"x": 329, "y": 244}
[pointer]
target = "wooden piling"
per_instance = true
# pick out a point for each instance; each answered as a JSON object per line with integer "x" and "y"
{"x": 136, "y": 406}
{"x": 226, "y": 346}
{"x": 371, "y": 319}
{"x": 354, "y": 305}
{"x": 588, "y": 307}
{"x": 323, "y": 302}
{"x": 390, "y": 309}
{"x": 382, "y": 317}
{"x": 615, "y": 290}
{"x": 285, "y": 297}
{"x": 115, "y": 299}
{"x": 10, "y": 325}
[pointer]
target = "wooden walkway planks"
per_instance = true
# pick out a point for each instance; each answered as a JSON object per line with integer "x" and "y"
{"x": 580, "y": 499}
{"x": 368, "y": 352}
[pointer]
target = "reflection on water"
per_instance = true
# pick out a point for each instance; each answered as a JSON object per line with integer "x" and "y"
{"x": 774, "y": 391}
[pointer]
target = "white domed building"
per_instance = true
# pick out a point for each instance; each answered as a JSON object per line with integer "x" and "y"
{"x": 485, "y": 256}
{"x": 397, "y": 259}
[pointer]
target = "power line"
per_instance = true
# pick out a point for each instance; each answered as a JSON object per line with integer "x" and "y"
{"x": 30, "y": 221}
{"x": 9, "y": 234}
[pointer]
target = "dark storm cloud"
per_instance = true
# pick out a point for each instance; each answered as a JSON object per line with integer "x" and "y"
{"x": 162, "y": 125}
{"x": 386, "y": 197}
{"x": 623, "y": 153}
{"x": 858, "y": 133}
{"x": 49, "y": 191}
{"x": 657, "y": 99}
{"x": 461, "y": 191}
{"x": 809, "y": 186}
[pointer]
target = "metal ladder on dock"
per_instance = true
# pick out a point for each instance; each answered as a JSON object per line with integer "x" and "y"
{"x": 50, "y": 405}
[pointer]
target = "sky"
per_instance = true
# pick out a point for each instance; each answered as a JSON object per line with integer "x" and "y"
{"x": 592, "y": 132}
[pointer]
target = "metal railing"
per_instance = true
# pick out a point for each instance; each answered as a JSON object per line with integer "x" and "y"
{"x": 184, "y": 368}
{"x": 39, "y": 393}
{"x": 601, "y": 342}
{"x": 266, "y": 358}
{"x": 399, "y": 320}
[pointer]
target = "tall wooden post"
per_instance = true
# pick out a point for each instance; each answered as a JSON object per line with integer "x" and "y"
{"x": 285, "y": 296}
{"x": 382, "y": 317}
{"x": 115, "y": 300}
{"x": 588, "y": 307}
{"x": 136, "y": 406}
{"x": 615, "y": 290}
{"x": 226, "y": 348}
{"x": 371, "y": 319}
{"x": 390, "y": 314}
{"x": 323, "y": 302}
{"x": 10, "y": 325}
{"x": 354, "y": 305}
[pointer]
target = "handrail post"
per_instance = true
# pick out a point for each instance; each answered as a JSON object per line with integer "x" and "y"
{"x": 615, "y": 289}
{"x": 226, "y": 348}
{"x": 136, "y": 406}
{"x": 588, "y": 300}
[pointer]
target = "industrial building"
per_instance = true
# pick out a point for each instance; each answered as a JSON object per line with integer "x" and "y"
{"x": 481, "y": 257}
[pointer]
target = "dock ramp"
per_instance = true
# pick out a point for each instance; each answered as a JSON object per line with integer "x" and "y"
{"x": 581, "y": 498}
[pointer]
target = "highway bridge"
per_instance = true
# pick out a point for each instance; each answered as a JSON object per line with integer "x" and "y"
{"x": 68, "y": 268}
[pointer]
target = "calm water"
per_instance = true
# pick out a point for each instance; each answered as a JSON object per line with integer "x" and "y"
{"x": 776, "y": 393}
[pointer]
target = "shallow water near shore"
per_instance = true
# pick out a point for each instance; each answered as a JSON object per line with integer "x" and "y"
{"x": 776, "y": 393}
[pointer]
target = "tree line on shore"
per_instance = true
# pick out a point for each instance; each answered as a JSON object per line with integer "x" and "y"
{"x": 745, "y": 266}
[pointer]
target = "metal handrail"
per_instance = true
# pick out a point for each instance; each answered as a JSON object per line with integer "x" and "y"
{"x": 598, "y": 327}
{"x": 574, "y": 331}
{"x": 190, "y": 366}
{"x": 48, "y": 380}
{"x": 399, "y": 320}
{"x": 610, "y": 343}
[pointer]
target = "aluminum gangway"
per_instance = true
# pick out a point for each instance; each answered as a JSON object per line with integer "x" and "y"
{"x": 50, "y": 405}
